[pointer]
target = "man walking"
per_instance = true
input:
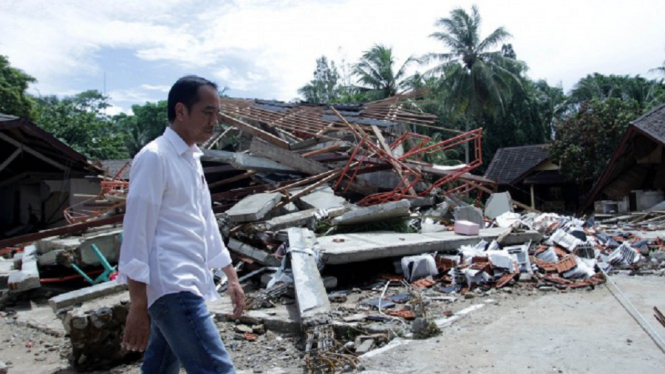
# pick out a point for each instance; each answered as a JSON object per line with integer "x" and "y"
{"x": 171, "y": 241}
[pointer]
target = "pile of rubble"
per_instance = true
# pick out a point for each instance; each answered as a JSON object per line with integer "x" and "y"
{"x": 338, "y": 221}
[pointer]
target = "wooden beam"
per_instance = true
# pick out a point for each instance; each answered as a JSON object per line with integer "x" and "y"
{"x": 254, "y": 131}
{"x": 232, "y": 179}
{"x": 300, "y": 163}
{"x": 315, "y": 152}
{"x": 32, "y": 152}
{"x": 10, "y": 158}
{"x": 396, "y": 166}
{"x": 79, "y": 227}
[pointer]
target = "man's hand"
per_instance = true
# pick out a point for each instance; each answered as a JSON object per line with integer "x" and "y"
{"x": 137, "y": 325}
{"x": 237, "y": 298}
{"x": 137, "y": 329}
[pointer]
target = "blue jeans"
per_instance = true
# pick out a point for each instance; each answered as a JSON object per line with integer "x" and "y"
{"x": 183, "y": 332}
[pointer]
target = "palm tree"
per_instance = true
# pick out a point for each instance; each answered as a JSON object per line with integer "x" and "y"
{"x": 376, "y": 74}
{"x": 659, "y": 70}
{"x": 480, "y": 78}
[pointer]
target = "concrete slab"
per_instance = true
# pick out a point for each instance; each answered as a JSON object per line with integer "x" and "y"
{"x": 497, "y": 204}
{"x": 254, "y": 207}
{"x": 28, "y": 277}
{"x": 313, "y": 303}
{"x": 347, "y": 248}
{"x": 243, "y": 161}
{"x": 322, "y": 200}
{"x": 375, "y": 213}
{"x": 85, "y": 294}
{"x": 471, "y": 214}
{"x": 258, "y": 255}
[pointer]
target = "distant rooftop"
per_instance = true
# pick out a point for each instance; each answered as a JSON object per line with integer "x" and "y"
{"x": 510, "y": 163}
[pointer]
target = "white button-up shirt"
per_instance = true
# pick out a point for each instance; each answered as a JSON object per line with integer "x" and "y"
{"x": 171, "y": 239}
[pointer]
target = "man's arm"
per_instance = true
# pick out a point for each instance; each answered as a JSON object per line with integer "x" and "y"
{"x": 142, "y": 212}
{"x": 235, "y": 290}
{"x": 137, "y": 325}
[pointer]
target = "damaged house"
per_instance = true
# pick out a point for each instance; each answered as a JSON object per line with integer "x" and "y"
{"x": 528, "y": 173}
{"x": 40, "y": 176}
{"x": 634, "y": 178}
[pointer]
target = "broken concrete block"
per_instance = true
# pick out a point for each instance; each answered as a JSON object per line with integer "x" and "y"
{"x": 322, "y": 200}
{"x": 85, "y": 294}
{"x": 393, "y": 209}
{"x": 50, "y": 258}
{"x": 497, "y": 204}
{"x": 6, "y": 268}
{"x": 28, "y": 277}
{"x": 422, "y": 201}
{"x": 364, "y": 347}
{"x": 439, "y": 210}
{"x": 260, "y": 256}
{"x": 95, "y": 330}
{"x": 417, "y": 267}
{"x": 471, "y": 214}
{"x": 253, "y": 207}
{"x": 297, "y": 219}
{"x": 466, "y": 228}
{"x": 108, "y": 243}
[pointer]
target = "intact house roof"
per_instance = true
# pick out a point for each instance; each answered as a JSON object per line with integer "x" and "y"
{"x": 652, "y": 124}
{"x": 26, "y": 149}
{"x": 624, "y": 173}
{"x": 510, "y": 164}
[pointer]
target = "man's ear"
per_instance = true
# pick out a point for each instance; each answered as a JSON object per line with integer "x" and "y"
{"x": 180, "y": 111}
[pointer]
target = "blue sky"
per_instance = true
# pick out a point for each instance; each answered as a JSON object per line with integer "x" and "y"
{"x": 267, "y": 48}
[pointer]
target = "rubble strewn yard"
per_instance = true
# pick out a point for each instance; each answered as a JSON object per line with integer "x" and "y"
{"x": 356, "y": 253}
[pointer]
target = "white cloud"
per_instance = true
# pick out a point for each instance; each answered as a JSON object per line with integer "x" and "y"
{"x": 160, "y": 88}
{"x": 133, "y": 95}
{"x": 271, "y": 46}
{"x": 114, "y": 110}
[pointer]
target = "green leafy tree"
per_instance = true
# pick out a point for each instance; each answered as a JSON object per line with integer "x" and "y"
{"x": 376, "y": 74}
{"x": 324, "y": 87}
{"x": 80, "y": 122}
{"x": 13, "y": 84}
{"x": 647, "y": 93}
{"x": 147, "y": 123}
{"x": 585, "y": 141}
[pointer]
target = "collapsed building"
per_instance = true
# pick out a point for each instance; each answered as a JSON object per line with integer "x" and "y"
{"x": 317, "y": 202}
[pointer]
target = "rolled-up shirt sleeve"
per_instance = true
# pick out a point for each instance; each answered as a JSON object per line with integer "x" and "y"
{"x": 219, "y": 256}
{"x": 146, "y": 188}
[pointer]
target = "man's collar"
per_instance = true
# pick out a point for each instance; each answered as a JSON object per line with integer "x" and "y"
{"x": 180, "y": 146}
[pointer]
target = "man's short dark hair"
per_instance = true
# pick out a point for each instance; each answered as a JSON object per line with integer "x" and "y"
{"x": 186, "y": 91}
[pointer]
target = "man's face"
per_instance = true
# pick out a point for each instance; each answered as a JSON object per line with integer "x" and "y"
{"x": 201, "y": 120}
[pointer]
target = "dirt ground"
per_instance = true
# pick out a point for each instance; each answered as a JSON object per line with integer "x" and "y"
{"x": 518, "y": 331}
